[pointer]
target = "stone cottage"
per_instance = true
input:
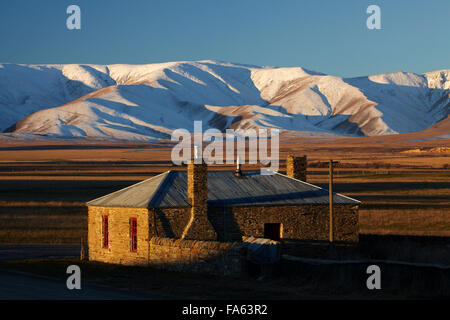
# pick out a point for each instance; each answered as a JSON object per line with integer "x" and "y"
{"x": 221, "y": 206}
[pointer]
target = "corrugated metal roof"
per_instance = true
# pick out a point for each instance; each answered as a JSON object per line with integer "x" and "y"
{"x": 136, "y": 196}
{"x": 224, "y": 189}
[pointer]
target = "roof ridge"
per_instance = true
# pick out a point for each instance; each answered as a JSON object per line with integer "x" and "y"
{"x": 317, "y": 187}
{"x": 133, "y": 185}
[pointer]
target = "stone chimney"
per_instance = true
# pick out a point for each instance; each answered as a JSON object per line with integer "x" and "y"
{"x": 199, "y": 227}
{"x": 197, "y": 180}
{"x": 296, "y": 167}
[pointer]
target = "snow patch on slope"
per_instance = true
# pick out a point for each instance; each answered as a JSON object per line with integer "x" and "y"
{"x": 139, "y": 102}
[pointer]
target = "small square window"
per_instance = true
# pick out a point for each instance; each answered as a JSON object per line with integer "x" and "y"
{"x": 273, "y": 231}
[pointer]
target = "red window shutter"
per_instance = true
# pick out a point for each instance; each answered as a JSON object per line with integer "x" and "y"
{"x": 105, "y": 232}
{"x": 133, "y": 234}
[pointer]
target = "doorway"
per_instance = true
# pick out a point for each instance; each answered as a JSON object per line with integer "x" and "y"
{"x": 272, "y": 231}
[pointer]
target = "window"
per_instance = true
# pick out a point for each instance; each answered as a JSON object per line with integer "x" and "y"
{"x": 105, "y": 232}
{"x": 272, "y": 231}
{"x": 133, "y": 234}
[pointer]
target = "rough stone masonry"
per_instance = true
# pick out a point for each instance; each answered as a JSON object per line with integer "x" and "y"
{"x": 194, "y": 220}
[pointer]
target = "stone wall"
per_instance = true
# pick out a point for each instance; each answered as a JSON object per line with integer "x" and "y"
{"x": 168, "y": 222}
{"x": 212, "y": 257}
{"x": 170, "y": 254}
{"x": 119, "y": 248}
{"x": 224, "y": 223}
{"x": 307, "y": 222}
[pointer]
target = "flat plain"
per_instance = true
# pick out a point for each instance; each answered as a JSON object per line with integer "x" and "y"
{"x": 403, "y": 183}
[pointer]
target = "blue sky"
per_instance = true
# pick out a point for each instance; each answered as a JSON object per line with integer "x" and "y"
{"x": 325, "y": 35}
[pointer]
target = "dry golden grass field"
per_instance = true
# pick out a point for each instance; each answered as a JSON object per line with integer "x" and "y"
{"x": 403, "y": 183}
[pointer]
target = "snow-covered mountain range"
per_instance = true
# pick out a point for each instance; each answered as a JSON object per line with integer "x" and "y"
{"x": 143, "y": 102}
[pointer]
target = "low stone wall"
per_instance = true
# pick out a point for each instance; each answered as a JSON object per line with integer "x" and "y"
{"x": 212, "y": 257}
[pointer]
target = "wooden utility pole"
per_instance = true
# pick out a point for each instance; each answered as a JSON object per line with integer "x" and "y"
{"x": 331, "y": 198}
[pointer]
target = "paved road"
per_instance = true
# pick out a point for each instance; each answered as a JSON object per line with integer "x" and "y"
{"x": 21, "y": 286}
{"x": 38, "y": 251}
